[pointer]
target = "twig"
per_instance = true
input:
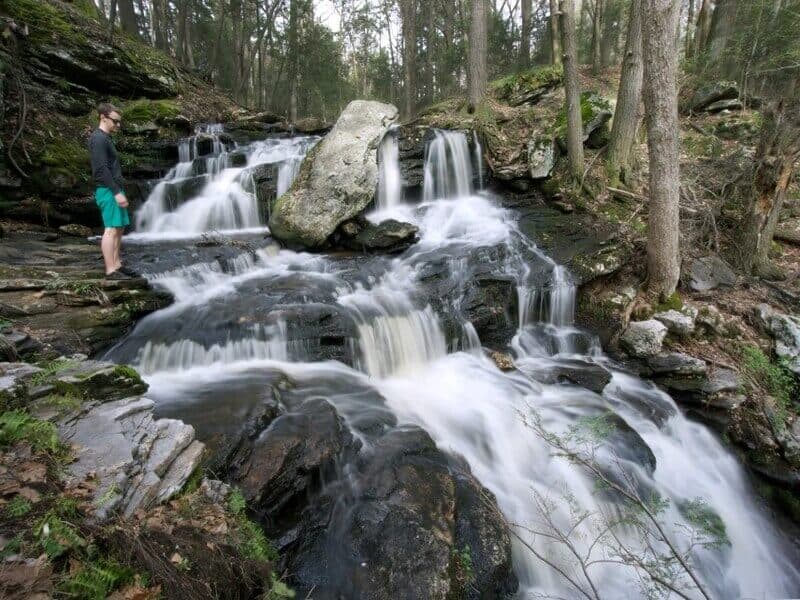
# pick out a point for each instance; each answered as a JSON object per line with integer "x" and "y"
{"x": 627, "y": 194}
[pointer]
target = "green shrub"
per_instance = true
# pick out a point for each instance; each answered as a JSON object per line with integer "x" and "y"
{"x": 774, "y": 378}
{"x": 96, "y": 579}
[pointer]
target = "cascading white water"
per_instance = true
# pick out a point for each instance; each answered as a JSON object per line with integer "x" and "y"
{"x": 472, "y": 409}
{"x": 265, "y": 344}
{"x": 389, "y": 184}
{"x": 448, "y": 167}
{"x": 478, "y": 159}
{"x": 227, "y": 201}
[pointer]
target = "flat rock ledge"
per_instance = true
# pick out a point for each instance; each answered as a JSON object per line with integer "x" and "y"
{"x": 125, "y": 457}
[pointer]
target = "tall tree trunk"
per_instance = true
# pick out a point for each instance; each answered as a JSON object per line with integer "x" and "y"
{"x": 159, "y": 23}
{"x": 572, "y": 89}
{"x": 555, "y": 33}
{"x": 629, "y": 95}
{"x": 610, "y": 32}
{"x": 597, "y": 36}
{"x": 112, "y": 19}
{"x": 183, "y": 8}
{"x": 127, "y": 17}
{"x": 408, "y": 16}
{"x": 430, "y": 44}
{"x": 661, "y": 114}
{"x": 688, "y": 39}
{"x": 723, "y": 25}
{"x": 294, "y": 64}
{"x": 525, "y": 36}
{"x": 778, "y": 151}
{"x": 702, "y": 28}
{"x": 478, "y": 42}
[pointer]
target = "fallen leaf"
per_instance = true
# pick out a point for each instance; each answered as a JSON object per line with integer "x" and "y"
{"x": 176, "y": 559}
{"x": 32, "y": 472}
{"x": 30, "y": 494}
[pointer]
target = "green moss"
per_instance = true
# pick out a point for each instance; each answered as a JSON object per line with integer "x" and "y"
{"x": 67, "y": 154}
{"x": 591, "y": 104}
{"x": 46, "y": 23}
{"x": 127, "y": 372}
{"x": 673, "y": 302}
{"x": 774, "y": 378}
{"x": 144, "y": 111}
{"x": 537, "y": 77}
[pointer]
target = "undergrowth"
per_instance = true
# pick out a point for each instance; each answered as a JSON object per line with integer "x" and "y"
{"x": 774, "y": 378}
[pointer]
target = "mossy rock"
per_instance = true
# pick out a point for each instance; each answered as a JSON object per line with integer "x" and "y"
{"x": 143, "y": 111}
{"x": 595, "y": 114}
{"x": 528, "y": 86}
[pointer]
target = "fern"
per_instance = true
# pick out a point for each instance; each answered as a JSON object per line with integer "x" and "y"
{"x": 19, "y": 426}
{"x": 96, "y": 580}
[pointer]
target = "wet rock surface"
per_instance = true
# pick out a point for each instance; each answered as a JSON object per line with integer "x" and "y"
{"x": 56, "y": 301}
{"x": 399, "y": 530}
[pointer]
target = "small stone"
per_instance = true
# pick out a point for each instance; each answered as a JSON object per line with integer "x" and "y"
{"x": 786, "y": 331}
{"x": 76, "y": 229}
{"x": 216, "y": 491}
{"x": 503, "y": 361}
{"x": 644, "y": 338}
{"x": 676, "y": 363}
{"x": 711, "y": 272}
{"x": 710, "y": 318}
{"x": 677, "y": 322}
{"x": 721, "y": 105}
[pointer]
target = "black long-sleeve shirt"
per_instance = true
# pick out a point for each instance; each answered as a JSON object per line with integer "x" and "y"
{"x": 106, "y": 170}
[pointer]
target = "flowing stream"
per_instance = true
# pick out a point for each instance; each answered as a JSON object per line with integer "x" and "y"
{"x": 242, "y": 315}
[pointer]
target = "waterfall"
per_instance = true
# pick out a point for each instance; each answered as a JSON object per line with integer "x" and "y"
{"x": 448, "y": 167}
{"x": 220, "y": 198}
{"x": 220, "y": 333}
{"x": 263, "y": 344}
{"x": 389, "y": 184}
{"x": 478, "y": 159}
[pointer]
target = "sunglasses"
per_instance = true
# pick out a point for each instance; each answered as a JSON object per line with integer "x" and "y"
{"x": 115, "y": 121}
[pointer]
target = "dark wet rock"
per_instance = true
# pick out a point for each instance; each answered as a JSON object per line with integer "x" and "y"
{"x": 400, "y": 530}
{"x": 264, "y": 178}
{"x": 311, "y": 211}
{"x": 573, "y": 371}
{"x": 178, "y": 191}
{"x": 295, "y": 454}
{"x": 491, "y": 305}
{"x": 389, "y": 236}
{"x": 710, "y": 272}
{"x": 55, "y": 292}
{"x": 713, "y": 92}
{"x": 722, "y": 105}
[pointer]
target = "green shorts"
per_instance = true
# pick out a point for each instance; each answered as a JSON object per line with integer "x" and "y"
{"x": 113, "y": 214}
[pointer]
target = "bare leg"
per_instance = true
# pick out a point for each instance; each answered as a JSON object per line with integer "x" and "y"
{"x": 117, "y": 245}
{"x": 108, "y": 247}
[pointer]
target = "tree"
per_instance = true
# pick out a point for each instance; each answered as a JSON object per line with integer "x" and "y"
{"x": 661, "y": 113}
{"x": 555, "y": 33}
{"x": 408, "y": 16}
{"x": 703, "y": 26}
{"x": 572, "y": 89}
{"x": 525, "y": 35}
{"x": 687, "y": 41}
{"x": 478, "y": 73}
{"x": 127, "y": 17}
{"x": 629, "y": 95}
{"x": 778, "y": 151}
{"x": 597, "y": 34}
